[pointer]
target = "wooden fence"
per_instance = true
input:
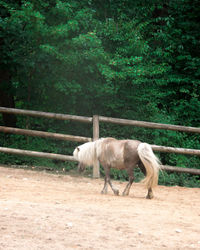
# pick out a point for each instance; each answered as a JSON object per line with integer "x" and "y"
{"x": 95, "y": 120}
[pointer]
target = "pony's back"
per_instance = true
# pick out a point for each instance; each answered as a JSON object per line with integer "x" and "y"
{"x": 110, "y": 152}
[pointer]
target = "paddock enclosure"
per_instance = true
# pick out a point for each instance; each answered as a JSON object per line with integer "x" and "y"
{"x": 95, "y": 120}
{"x": 43, "y": 211}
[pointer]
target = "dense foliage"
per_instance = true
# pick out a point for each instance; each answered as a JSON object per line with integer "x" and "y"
{"x": 128, "y": 59}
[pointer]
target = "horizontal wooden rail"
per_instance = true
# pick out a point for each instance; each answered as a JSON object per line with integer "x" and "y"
{"x": 37, "y": 154}
{"x": 181, "y": 170}
{"x": 87, "y": 139}
{"x": 101, "y": 119}
{"x": 46, "y": 115}
{"x": 44, "y": 134}
{"x": 71, "y": 158}
{"x": 148, "y": 124}
{"x": 176, "y": 150}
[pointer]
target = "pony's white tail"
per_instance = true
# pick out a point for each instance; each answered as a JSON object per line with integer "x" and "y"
{"x": 151, "y": 164}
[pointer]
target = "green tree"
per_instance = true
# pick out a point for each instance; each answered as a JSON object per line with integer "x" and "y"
{"x": 129, "y": 59}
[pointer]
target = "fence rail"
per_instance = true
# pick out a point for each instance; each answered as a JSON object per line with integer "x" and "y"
{"x": 186, "y": 151}
{"x": 95, "y": 120}
{"x": 181, "y": 170}
{"x": 46, "y": 115}
{"x": 87, "y": 139}
{"x": 71, "y": 158}
{"x": 44, "y": 134}
{"x": 37, "y": 154}
{"x": 149, "y": 124}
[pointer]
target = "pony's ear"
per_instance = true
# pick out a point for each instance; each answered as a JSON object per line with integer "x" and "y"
{"x": 78, "y": 149}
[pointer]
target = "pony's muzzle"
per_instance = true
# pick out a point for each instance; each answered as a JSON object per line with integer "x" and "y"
{"x": 81, "y": 167}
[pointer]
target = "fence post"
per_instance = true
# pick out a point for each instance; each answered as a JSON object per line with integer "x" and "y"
{"x": 96, "y": 172}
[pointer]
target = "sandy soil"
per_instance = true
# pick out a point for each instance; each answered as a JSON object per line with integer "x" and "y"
{"x": 45, "y": 211}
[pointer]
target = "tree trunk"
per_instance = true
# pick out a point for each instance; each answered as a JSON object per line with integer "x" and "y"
{"x": 6, "y": 98}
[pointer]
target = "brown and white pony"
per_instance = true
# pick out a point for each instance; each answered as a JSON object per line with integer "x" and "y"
{"x": 120, "y": 154}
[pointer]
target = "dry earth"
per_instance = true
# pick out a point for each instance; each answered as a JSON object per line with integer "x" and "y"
{"x": 45, "y": 211}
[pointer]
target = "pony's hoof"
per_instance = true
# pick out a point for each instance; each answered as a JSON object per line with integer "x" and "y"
{"x": 149, "y": 196}
{"x": 116, "y": 192}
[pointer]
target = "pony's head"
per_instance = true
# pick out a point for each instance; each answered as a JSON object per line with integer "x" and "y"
{"x": 81, "y": 166}
{"x": 75, "y": 153}
{"x": 85, "y": 155}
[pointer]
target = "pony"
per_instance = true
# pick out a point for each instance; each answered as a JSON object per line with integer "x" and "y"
{"x": 120, "y": 154}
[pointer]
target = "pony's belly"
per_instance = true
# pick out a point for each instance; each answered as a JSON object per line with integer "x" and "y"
{"x": 118, "y": 165}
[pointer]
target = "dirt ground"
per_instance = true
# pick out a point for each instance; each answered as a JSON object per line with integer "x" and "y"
{"x": 46, "y": 211}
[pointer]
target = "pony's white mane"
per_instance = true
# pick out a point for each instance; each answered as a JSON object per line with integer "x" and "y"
{"x": 88, "y": 152}
{"x": 85, "y": 153}
{"x": 98, "y": 146}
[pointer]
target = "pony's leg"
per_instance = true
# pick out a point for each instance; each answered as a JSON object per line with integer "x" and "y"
{"x": 108, "y": 181}
{"x": 107, "y": 175}
{"x": 105, "y": 188}
{"x": 149, "y": 194}
{"x": 131, "y": 179}
{"x": 150, "y": 191}
{"x": 115, "y": 190}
